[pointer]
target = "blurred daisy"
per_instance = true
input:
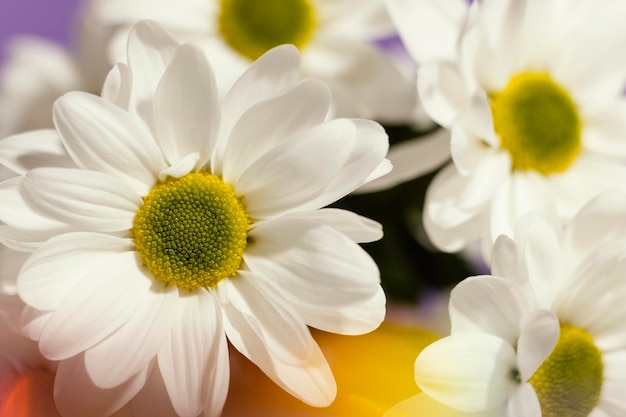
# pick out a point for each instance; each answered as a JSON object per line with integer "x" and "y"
{"x": 335, "y": 38}
{"x": 38, "y": 71}
{"x": 170, "y": 220}
{"x": 545, "y": 335}
{"x": 532, "y": 94}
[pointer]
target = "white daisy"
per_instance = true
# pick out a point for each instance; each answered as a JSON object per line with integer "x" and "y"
{"x": 169, "y": 221}
{"x": 335, "y": 38}
{"x": 37, "y": 71}
{"x": 532, "y": 94}
{"x": 545, "y": 335}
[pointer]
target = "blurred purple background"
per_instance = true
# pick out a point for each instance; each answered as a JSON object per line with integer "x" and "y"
{"x": 51, "y": 19}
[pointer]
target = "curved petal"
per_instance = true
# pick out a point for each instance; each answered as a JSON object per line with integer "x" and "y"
{"x": 150, "y": 49}
{"x": 506, "y": 262}
{"x": 53, "y": 271}
{"x": 269, "y": 76}
{"x": 365, "y": 163}
{"x": 117, "y": 86}
{"x": 40, "y": 148}
{"x": 272, "y": 122}
{"x": 103, "y": 300}
{"x": 358, "y": 228}
{"x": 489, "y": 304}
{"x": 540, "y": 247}
{"x": 186, "y": 107}
{"x": 296, "y": 172}
{"x": 76, "y": 396}
{"x": 467, "y": 371}
{"x": 84, "y": 199}
{"x": 538, "y": 336}
{"x": 412, "y": 159}
{"x": 273, "y": 337}
{"x": 442, "y": 92}
{"x": 131, "y": 347}
{"x": 523, "y": 402}
{"x": 522, "y": 192}
{"x": 601, "y": 220}
{"x": 327, "y": 278}
{"x": 103, "y": 137}
{"x": 194, "y": 360}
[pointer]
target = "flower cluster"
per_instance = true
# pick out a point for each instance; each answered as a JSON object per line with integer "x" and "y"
{"x": 179, "y": 193}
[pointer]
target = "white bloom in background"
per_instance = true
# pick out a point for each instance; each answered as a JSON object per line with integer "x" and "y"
{"x": 37, "y": 71}
{"x": 532, "y": 92}
{"x": 335, "y": 39}
{"x": 167, "y": 220}
{"x": 545, "y": 335}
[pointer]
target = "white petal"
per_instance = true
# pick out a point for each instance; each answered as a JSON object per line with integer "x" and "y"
{"x": 490, "y": 305}
{"x": 358, "y": 228}
{"x": 520, "y": 193}
{"x": 150, "y": 49}
{"x": 101, "y": 136}
{"x": 365, "y": 163}
{"x": 523, "y": 402}
{"x": 84, "y": 199}
{"x": 269, "y": 76}
{"x": 295, "y": 172}
{"x": 541, "y": 250}
{"x": 506, "y": 262}
{"x": 53, "y": 270}
{"x": 272, "y": 122}
{"x": 589, "y": 176}
{"x": 467, "y": 371}
{"x": 76, "y": 396}
{"x": 131, "y": 347}
{"x": 538, "y": 336}
{"x": 412, "y": 159}
{"x": 117, "y": 86}
{"x": 105, "y": 298}
{"x": 23, "y": 152}
{"x": 186, "y": 107}
{"x": 442, "y": 92}
{"x": 277, "y": 341}
{"x": 194, "y": 361}
{"x": 330, "y": 281}
{"x": 429, "y": 29}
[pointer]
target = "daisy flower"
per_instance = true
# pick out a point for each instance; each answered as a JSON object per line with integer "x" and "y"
{"x": 37, "y": 71}
{"x": 169, "y": 220}
{"x": 532, "y": 93}
{"x": 544, "y": 335}
{"x": 335, "y": 39}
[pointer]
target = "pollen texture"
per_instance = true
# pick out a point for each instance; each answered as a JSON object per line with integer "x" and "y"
{"x": 252, "y": 27}
{"x": 191, "y": 231}
{"x": 538, "y": 123}
{"x": 569, "y": 381}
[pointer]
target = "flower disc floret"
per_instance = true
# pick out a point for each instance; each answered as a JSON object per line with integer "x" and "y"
{"x": 253, "y": 27}
{"x": 569, "y": 381}
{"x": 191, "y": 231}
{"x": 538, "y": 123}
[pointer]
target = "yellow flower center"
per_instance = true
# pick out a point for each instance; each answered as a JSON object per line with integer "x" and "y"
{"x": 252, "y": 27}
{"x": 191, "y": 231}
{"x": 569, "y": 381}
{"x": 537, "y": 122}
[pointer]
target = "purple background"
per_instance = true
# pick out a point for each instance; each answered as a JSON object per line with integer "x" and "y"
{"x": 52, "y": 19}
